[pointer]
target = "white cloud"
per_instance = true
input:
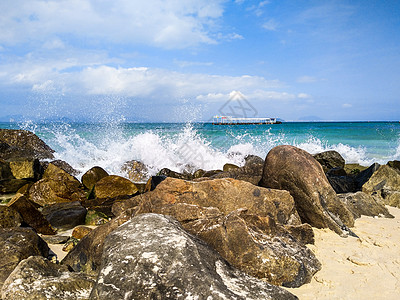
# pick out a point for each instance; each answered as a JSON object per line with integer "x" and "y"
{"x": 303, "y": 96}
{"x": 271, "y": 25}
{"x": 167, "y": 24}
{"x": 347, "y": 105}
{"x": 306, "y": 79}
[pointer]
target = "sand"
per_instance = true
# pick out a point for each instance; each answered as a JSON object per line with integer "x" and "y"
{"x": 367, "y": 267}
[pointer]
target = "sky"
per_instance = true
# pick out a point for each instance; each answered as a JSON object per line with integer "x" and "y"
{"x": 187, "y": 60}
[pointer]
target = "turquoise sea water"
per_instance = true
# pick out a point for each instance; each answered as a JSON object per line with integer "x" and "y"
{"x": 181, "y": 146}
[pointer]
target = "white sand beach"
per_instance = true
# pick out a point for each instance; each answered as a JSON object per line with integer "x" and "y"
{"x": 364, "y": 268}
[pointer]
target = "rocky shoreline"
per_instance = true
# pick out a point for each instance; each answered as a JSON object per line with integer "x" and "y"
{"x": 237, "y": 233}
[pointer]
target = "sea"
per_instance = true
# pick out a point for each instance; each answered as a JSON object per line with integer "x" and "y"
{"x": 190, "y": 146}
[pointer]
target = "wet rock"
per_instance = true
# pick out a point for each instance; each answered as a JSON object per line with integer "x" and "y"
{"x": 65, "y": 215}
{"x": 62, "y": 165}
{"x": 228, "y": 167}
{"x": 5, "y": 170}
{"x": 26, "y": 169}
{"x": 363, "y": 204}
{"x": 395, "y": 164}
{"x": 17, "y": 144}
{"x": 114, "y": 186}
{"x": 30, "y": 214}
{"x": 292, "y": 169}
{"x": 92, "y": 176}
{"x": 153, "y": 182}
{"x": 169, "y": 173}
{"x": 250, "y": 172}
{"x": 183, "y": 267}
{"x": 80, "y": 232}
{"x": 17, "y": 244}
{"x": 70, "y": 244}
{"x": 38, "y": 278}
{"x": 9, "y": 186}
{"x": 56, "y": 186}
{"x": 225, "y": 194}
{"x": 329, "y": 160}
{"x": 95, "y": 218}
{"x": 136, "y": 170}
{"x": 9, "y": 217}
{"x": 384, "y": 184}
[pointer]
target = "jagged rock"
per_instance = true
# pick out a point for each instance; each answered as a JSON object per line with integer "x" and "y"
{"x": 9, "y": 217}
{"x": 114, "y": 186}
{"x": 26, "y": 169}
{"x": 183, "y": 267}
{"x": 292, "y": 169}
{"x": 362, "y": 177}
{"x": 18, "y": 144}
{"x": 62, "y": 165}
{"x": 65, "y": 215}
{"x": 136, "y": 170}
{"x": 385, "y": 184}
{"x": 17, "y": 244}
{"x": 225, "y": 194}
{"x": 86, "y": 255}
{"x": 395, "y": 164}
{"x": 80, "y": 232}
{"x": 329, "y": 160}
{"x": 92, "y": 176}
{"x": 56, "y": 186}
{"x": 30, "y": 214}
{"x": 342, "y": 183}
{"x": 169, "y": 173}
{"x": 363, "y": 204}
{"x": 38, "y": 278}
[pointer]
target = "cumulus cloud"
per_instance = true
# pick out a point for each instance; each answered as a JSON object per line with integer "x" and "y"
{"x": 173, "y": 24}
{"x": 271, "y": 25}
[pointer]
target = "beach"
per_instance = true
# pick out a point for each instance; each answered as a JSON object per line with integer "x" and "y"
{"x": 367, "y": 267}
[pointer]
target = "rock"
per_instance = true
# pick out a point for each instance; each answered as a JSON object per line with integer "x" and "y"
{"x": 228, "y": 167}
{"x": 65, "y": 215}
{"x": 17, "y": 144}
{"x": 17, "y": 244}
{"x": 363, "y": 204}
{"x": 250, "y": 172}
{"x": 198, "y": 173}
{"x": 80, "y": 232}
{"x": 95, "y": 218}
{"x": 26, "y": 169}
{"x": 9, "y": 217}
{"x": 56, "y": 186}
{"x": 70, "y": 244}
{"x": 342, "y": 183}
{"x": 253, "y": 160}
{"x": 136, "y": 170}
{"x": 329, "y": 160}
{"x": 184, "y": 267}
{"x": 55, "y": 239}
{"x": 62, "y": 165}
{"x": 153, "y": 182}
{"x": 86, "y": 255}
{"x": 292, "y": 169}
{"x": 225, "y": 194}
{"x": 257, "y": 246}
{"x": 169, "y": 173}
{"x": 211, "y": 173}
{"x": 38, "y": 278}
{"x": 354, "y": 169}
{"x": 395, "y": 164}
{"x": 30, "y": 214}
{"x": 92, "y": 176}
{"x": 5, "y": 170}
{"x": 363, "y": 176}
{"x": 9, "y": 186}
{"x": 385, "y": 184}
{"x": 114, "y": 186}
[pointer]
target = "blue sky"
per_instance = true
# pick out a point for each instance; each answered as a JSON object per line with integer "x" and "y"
{"x": 183, "y": 60}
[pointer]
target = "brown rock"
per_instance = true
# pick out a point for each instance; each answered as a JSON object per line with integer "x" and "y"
{"x": 5, "y": 170}
{"x": 26, "y": 169}
{"x": 9, "y": 186}
{"x": 136, "y": 170}
{"x": 228, "y": 167}
{"x": 65, "y": 215}
{"x": 80, "y": 232}
{"x": 56, "y": 186}
{"x": 62, "y": 165}
{"x": 92, "y": 176}
{"x": 17, "y": 244}
{"x": 30, "y": 214}
{"x": 329, "y": 160}
{"x": 9, "y": 217}
{"x": 292, "y": 169}
{"x": 114, "y": 186}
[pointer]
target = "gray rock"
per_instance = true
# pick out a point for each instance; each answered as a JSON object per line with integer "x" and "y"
{"x": 17, "y": 244}
{"x": 38, "y": 278}
{"x": 363, "y": 204}
{"x": 65, "y": 215}
{"x": 330, "y": 159}
{"x": 152, "y": 257}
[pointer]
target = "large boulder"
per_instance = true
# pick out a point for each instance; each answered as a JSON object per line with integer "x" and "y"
{"x": 225, "y": 194}
{"x": 17, "y": 144}
{"x": 38, "y": 278}
{"x": 63, "y": 165}
{"x": 26, "y": 169}
{"x": 56, "y": 186}
{"x": 134, "y": 266}
{"x": 30, "y": 214}
{"x": 9, "y": 217}
{"x": 385, "y": 184}
{"x": 92, "y": 176}
{"x": 17, "y": 244}
{"x": 364, "y": 204}
{"x": 114, "y": 186}
{"x": 136, "y": 171}
{"x": 65, "y": 215}
{"x": 330, "y": 159}
{"x": 293, "y": 169}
